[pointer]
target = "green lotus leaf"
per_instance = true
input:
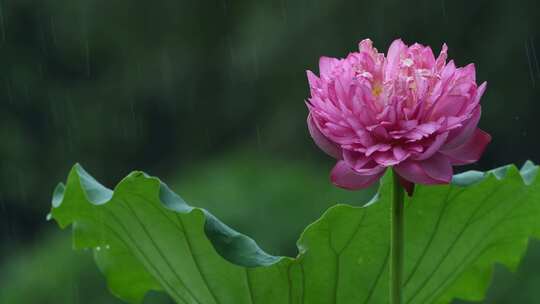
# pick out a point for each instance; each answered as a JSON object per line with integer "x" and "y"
{"x": 145, "y": 237}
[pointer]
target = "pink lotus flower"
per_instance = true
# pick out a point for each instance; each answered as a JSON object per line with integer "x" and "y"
{"x": 408, "y": 110}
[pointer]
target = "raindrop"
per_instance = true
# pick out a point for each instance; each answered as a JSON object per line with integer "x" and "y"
{"x": 75, "y": 290}
{"x": 53, "y": 32}
{"x": 259, "y": 144}
{"x": 443, "y": 6}
{"x": 228, "y": 41}
{"x": 133, "y": 116}
{"x": 98, "y": 248}
{"x": 535, "y": 59}
{"x": 40, "y": 70}
{"x": 139, "y": 71}
{"x": 208, "y": 137}
{"x": 9, "y": 91}
{"x": 529, "y": 61}
{"x": 284, "y": 11}
{"x": 255, "y": 60}
{"x": 2, "y": 206}
{"x": 43, "y": 38}
{"x": 2, "y": 25}
{"x": 224, "y": 2}
{"x": 87, "y": 56}
{"x": 166, "y": 71}
{"x": 84, "y": 36}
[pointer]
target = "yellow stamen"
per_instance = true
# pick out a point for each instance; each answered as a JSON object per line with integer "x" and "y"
{"x": 377, "y": 90}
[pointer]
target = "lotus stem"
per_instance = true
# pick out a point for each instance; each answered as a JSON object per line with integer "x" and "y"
{"x": 396, "y": 241}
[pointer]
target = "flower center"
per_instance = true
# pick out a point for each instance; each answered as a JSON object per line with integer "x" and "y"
{"x": 376, "y": 90}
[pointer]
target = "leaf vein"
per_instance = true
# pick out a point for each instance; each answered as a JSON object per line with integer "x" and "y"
{"x": 172, "y": 291}
{"x": 195, "y": 259}
{"x": 160, "y": 252}
{"x": 434, "y": 232}
{"x": 248, "y": 282}
{"x": 378, "y": 278}
{"x": 483, "y": 239}
{"x": 452, "y": 245}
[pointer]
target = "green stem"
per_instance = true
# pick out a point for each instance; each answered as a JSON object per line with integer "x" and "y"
{"x": 396, "y": 241}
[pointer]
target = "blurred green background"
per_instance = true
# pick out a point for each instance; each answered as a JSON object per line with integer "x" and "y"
{"x": 208, "y": 95}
